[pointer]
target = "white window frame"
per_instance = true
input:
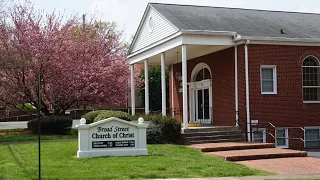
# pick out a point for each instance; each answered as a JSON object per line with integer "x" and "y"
{"x": 308, "y": 86}
{"x": 263, "y": 131}
{"x": 274, "y": 68}
{"x": 286, "y": 136}
{"x": 309, "y": 127}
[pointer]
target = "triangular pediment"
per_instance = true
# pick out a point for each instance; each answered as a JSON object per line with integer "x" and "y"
{"x": 153, "y": 28}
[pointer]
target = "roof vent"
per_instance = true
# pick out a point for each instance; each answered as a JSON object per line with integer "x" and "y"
{"x": 282, "y": 32}
{"x": 151, "y": 24}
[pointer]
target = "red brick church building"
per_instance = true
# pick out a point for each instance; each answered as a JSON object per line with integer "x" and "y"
{"x": 256, "y": 69}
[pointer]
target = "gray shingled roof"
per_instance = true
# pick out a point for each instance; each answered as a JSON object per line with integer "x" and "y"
{"x": 243, "y": 21}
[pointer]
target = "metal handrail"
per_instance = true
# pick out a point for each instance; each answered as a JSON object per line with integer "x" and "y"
{"x": 301, "y": 138}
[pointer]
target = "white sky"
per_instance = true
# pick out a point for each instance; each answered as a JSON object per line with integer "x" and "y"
{"x": 128, "y": 13}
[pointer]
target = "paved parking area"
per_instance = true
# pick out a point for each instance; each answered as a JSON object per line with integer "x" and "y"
{"x": 314, "y": 153}
{"x": 23, "y": 124}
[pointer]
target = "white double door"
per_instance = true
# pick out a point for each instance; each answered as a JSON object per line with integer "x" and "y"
{"x": 202, "y": 106}
{"x": 200, "y": 94}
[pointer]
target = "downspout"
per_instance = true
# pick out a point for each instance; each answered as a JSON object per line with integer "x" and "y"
{"x": 172, "y": 91}
{"x": 236, "y": 83}
{"x": 247, "y": 90}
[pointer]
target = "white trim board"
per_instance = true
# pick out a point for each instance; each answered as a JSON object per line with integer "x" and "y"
{"x": 176, "y": 40}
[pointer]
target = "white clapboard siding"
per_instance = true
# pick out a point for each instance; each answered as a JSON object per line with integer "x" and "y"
{"x": 162, "y": 29}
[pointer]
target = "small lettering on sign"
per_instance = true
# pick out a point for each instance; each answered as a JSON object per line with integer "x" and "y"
{"x": 113, "y": 144}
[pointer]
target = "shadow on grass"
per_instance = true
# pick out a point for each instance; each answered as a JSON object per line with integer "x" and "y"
{"x": 14, "y": 152}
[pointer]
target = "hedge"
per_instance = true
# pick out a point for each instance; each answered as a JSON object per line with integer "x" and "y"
{"x": 51, "y": 125}
{"x": 107, "y": 114}
{"x": 91, "y": 115}
{"x": 162, "y": 129}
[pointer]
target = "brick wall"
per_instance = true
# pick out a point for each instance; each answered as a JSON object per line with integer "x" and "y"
{"x": 222, "y": 68}
{"x": 286, "y": 108}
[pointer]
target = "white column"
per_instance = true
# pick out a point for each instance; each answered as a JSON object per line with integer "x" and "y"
{"x": 163, "y": 84}
{"x": 133, "y": 102}
{"x": 172, "y": 91}
{"x": 146, "y": 87}
{"x": 184, "y": 87}
{"x": 236, "y": 83}
{"x": 247, "y": 91}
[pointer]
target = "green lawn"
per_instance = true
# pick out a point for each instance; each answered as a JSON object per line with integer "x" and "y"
{"x": 19, "y": 161}
{"x": 15, "y": 135}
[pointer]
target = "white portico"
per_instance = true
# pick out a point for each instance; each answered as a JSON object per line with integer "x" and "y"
{"x": 159, "y": 42}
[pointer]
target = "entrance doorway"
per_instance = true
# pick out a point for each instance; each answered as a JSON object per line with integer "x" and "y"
{"x": 202, "y": 106}
{"x": 200, "y": 90}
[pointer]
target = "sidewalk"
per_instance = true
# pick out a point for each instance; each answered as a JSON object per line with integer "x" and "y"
{"x": 287, "y": 177}
{"x": 23, "y": 124}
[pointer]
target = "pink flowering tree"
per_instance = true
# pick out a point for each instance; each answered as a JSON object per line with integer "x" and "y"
{"x": 77, "y": 61}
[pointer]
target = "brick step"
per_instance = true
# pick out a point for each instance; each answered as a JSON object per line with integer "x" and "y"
{"x": 214, "y": 137}
{"x": 211, "y": 133}
{"x": 216, "y": 141}
{"x": 210, "y": 129}
{"x": 253, "y": 154}
{"x": 228, "y": 146}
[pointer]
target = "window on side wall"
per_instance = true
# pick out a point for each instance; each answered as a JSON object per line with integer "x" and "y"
{"x": 311, "y": 80}
{"x": 259, "y": 135}
{"x": 268, "y": 79}
{"x": 312, "y": 137}
{"x": 282, "y": 140}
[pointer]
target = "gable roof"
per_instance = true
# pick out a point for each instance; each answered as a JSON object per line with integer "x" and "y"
{"x": 246, "y": 22}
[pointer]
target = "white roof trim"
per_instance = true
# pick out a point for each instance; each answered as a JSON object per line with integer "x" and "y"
{"x": 192, "y": 32}
{"x": 139, "y": 27}
{"x": 155, "y": 44}
{"x": 156, "y": 49}
{"x": 207, "y": 32}
{"x": 261, "y": 38}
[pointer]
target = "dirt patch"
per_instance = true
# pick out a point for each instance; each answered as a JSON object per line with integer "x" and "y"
{"x": 26, "y": 132}
{"x": 15, "y": 132}
{"x": 2, "y": 133}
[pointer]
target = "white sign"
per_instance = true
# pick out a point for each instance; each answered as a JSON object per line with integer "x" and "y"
{"x": 254, "y": 121}
{"x": 112, "y": 137}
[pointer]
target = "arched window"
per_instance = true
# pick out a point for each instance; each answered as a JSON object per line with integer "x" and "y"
{"x": 311, "y": 79}
{"x": 203, "y": 74}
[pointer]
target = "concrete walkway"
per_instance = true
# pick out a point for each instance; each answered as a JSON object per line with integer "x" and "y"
{"x": 261, "y": 156}
{"x": 286, "y": 166}
{"x": 23, "y": 124}
{"x": 287, "y": 177}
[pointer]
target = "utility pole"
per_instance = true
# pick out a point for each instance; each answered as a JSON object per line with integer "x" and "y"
{"x": 83, "y": 60}
{"x": 39, "y": 128}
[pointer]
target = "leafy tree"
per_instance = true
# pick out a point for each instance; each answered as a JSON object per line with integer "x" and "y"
{"x": 155, "y": 94}
{"x": 77, "y": 61}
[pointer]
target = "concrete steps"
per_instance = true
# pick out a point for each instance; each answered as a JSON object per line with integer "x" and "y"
{"x": 214, "y": 147}
{"x": 243, "y": 151}
{"x": 210, "y": 133}
{"x": 254, "y": 154}
{"x": 216, "y": 141}
{"x": 202, "y": 135}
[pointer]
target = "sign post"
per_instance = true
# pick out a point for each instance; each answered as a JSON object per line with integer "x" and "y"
{"x": 112, "y": 137}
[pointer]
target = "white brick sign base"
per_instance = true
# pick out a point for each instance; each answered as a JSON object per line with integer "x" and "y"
{"x": 112, "y": 137}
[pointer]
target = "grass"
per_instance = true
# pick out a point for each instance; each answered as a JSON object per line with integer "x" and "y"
{"x": 19, "y": 161}
{"x": 16, "y": 135}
